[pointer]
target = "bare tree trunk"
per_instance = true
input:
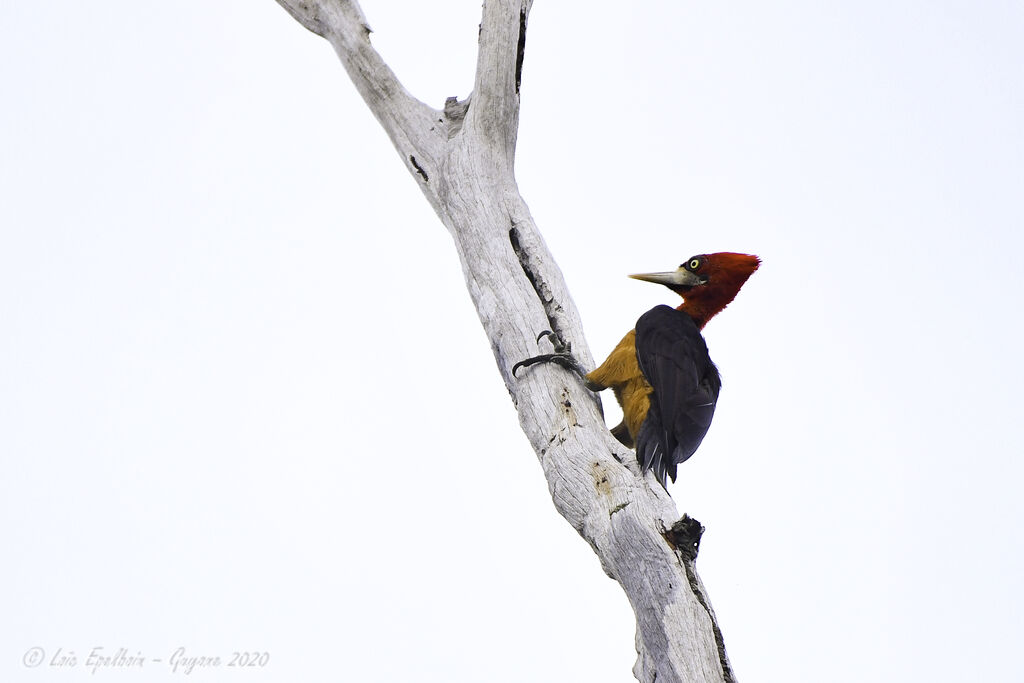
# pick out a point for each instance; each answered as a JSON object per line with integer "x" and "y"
{"x": 462, "y": 157}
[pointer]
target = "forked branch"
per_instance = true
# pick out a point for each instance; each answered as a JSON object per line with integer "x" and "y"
{"x": 463, "y": 161}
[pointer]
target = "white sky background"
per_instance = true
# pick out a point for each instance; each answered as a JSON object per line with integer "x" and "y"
{"x": 246, "y": 404}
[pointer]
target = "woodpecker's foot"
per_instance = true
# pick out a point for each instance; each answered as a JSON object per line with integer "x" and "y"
{"x": 566, "y": 360}
{"x": 562, "y": 356}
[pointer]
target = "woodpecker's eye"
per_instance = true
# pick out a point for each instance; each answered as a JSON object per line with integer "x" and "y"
{"x": 694, "y": 264}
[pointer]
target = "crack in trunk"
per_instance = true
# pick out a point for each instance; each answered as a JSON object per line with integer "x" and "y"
{"x": 520, "y": 48}
{"x": 419, "y": 169}
{"x": 727, "y": 673}
{"x": 544, "y": 294}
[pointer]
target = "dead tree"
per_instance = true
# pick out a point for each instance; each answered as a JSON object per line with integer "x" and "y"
{"x": 461, "y": 156}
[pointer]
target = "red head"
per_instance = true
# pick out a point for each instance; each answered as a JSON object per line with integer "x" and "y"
{"x": 707, "y": 282}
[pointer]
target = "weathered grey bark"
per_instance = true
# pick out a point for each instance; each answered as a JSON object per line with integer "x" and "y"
{"x": 462, "y": 157}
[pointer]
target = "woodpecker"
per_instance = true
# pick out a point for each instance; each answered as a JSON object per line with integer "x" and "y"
{"x": 661, "y": 373}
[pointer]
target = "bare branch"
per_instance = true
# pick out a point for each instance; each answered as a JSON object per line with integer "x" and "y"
{"x": 414, "y": 127}
{"x": 499, "y": 72}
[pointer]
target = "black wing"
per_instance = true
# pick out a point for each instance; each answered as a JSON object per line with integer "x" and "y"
{"x": 674, "y": 359}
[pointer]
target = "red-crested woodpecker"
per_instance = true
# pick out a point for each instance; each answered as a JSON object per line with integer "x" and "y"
{"x": 661, "y": 372}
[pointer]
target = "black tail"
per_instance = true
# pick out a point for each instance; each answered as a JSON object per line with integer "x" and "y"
{"x": 652, "y": 448}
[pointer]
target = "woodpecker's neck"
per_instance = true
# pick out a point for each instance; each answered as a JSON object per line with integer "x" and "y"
{"x": 700, "y": 314}
{"x": 703, "y": 304}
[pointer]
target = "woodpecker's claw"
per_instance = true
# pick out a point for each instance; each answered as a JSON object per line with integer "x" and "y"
{"x": 556, "y": 341}
{"x": 562, "y": 356}
{"x": 566, "y": 360}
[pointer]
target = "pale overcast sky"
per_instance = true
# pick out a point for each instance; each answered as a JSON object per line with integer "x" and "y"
{"x": 246, "y": 405}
